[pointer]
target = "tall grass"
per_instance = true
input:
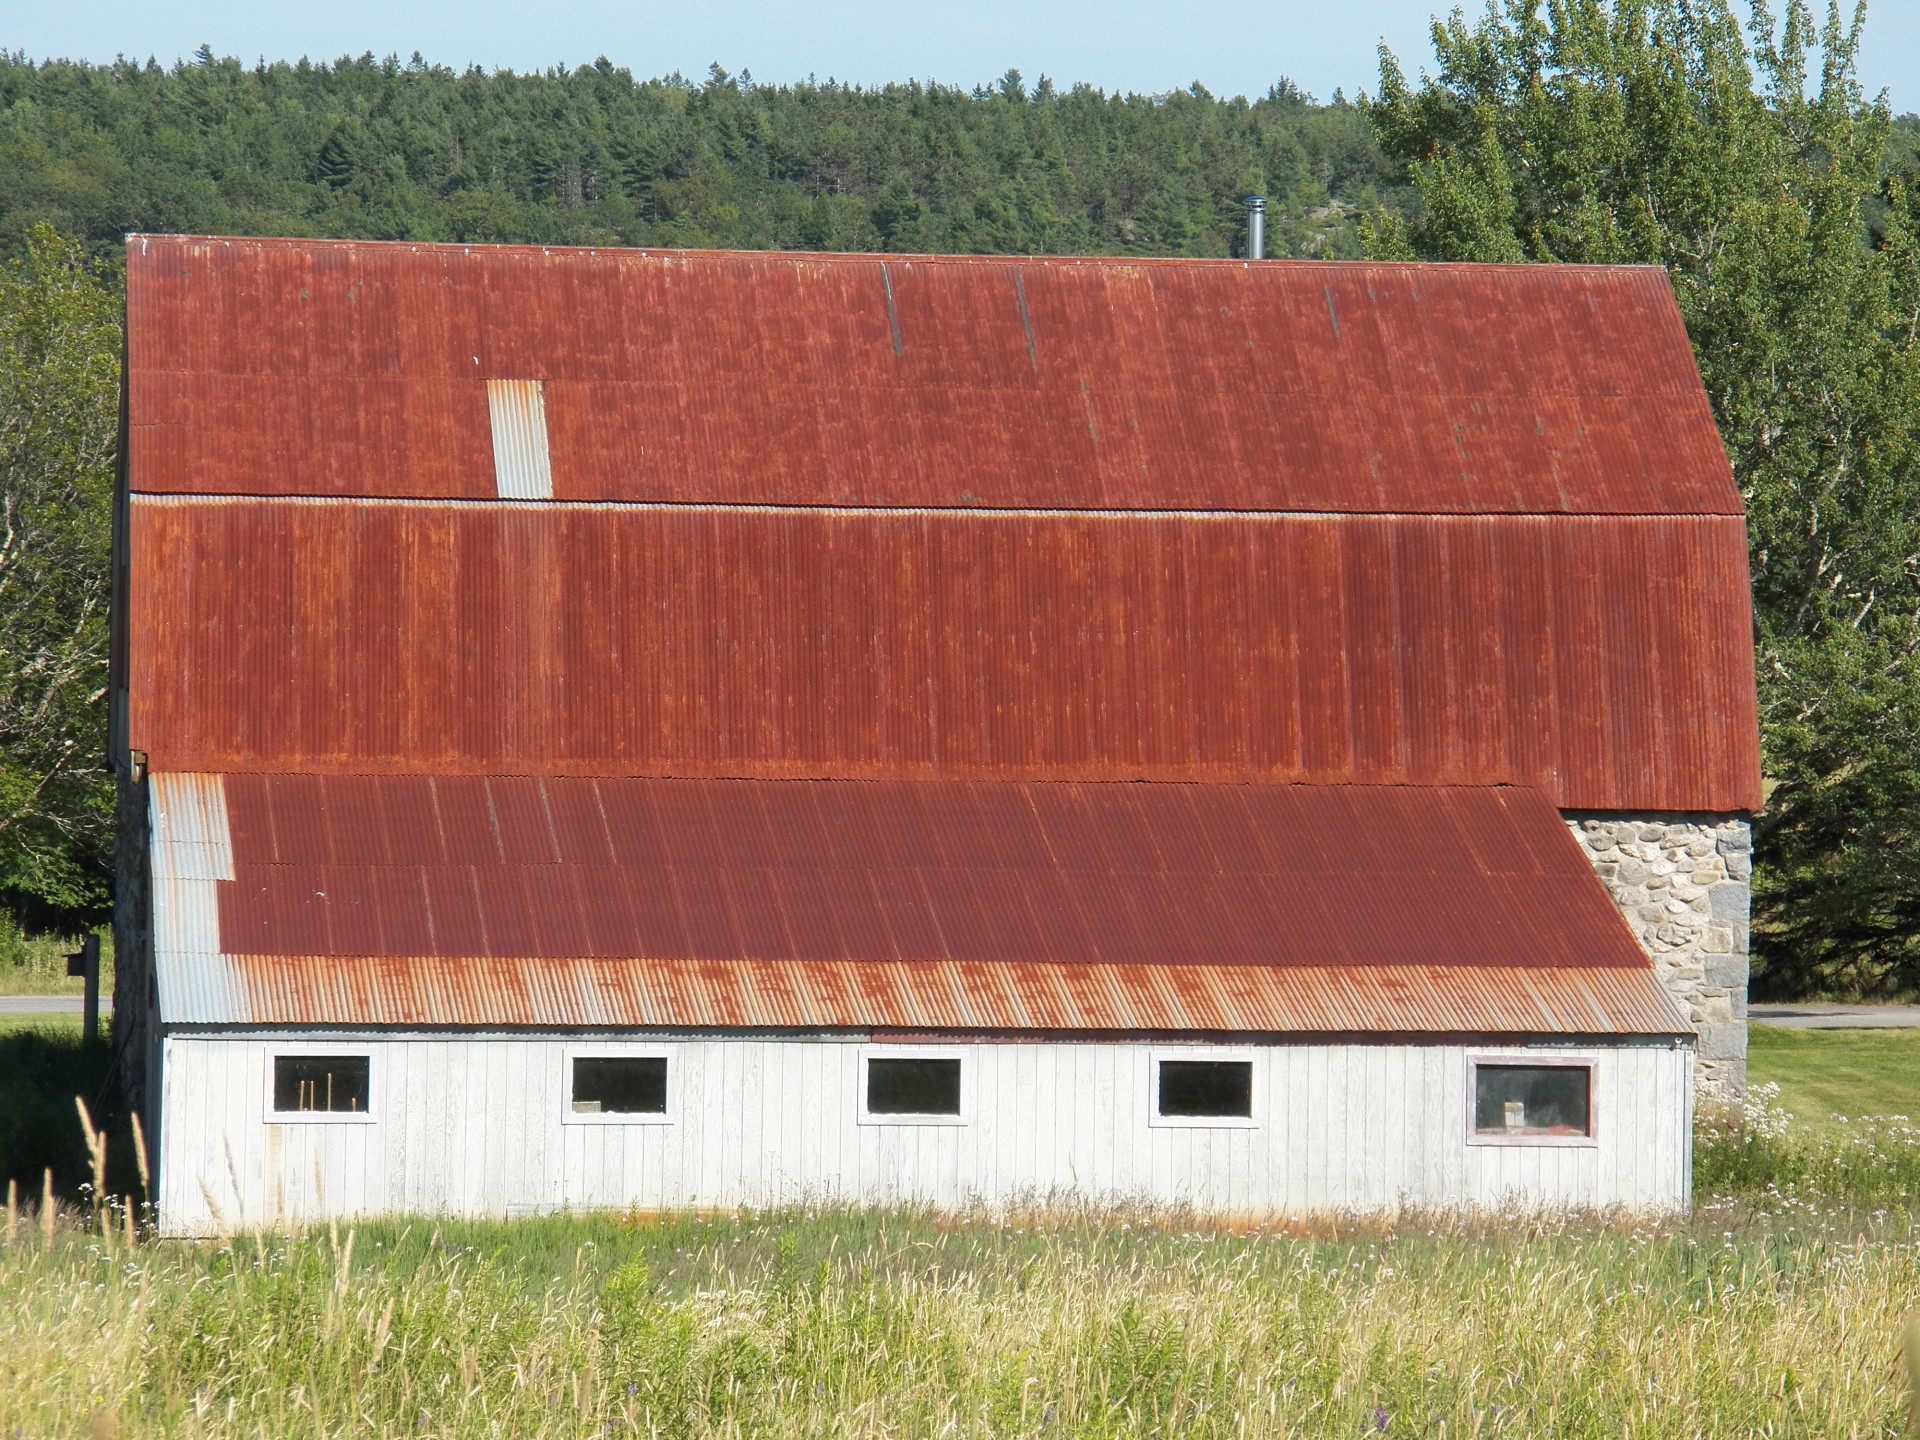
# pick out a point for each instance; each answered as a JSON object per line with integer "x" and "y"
{"x": 37, "y": 964}
{"x": 41, "y": 1071}
{"x": 901, "y": 1324}
{"x": 1753, "y": 1148}
{"x": 1776, "y": 1309}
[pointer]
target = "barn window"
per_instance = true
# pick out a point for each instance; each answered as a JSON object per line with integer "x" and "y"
{"x": 913, "y": 1086}
{"x": 620, "y": 1085}
{"x": 1205, "y": 1089}
{"x": 320, "y": 1084}
{"x": 1513, "y": 1101}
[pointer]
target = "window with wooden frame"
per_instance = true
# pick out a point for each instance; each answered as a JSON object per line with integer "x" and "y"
{"x": 909, "y": 1085}
{"x": 1528, "y": 1100}
{"x": 1199, "y": 1088}
{"x": 312, "y": 1086}
{"x": 619, "y": 1086}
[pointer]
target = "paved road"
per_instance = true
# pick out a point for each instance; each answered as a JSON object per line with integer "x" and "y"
{"x": 1812, "y": 1015}
{"x": 48, "y": 1005}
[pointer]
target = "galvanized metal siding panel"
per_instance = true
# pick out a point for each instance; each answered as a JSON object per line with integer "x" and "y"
{"x": 809, "y": 379}
{"x": 191, "y": 852}
{"x": 190, "y": 831}
{"x": 773, "y": 1122}
{"x": 806, "y": 643}
{"x": 522, "y": 467}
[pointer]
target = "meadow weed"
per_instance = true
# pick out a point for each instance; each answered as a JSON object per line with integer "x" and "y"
{"x": 1752, "y": 1147}
{"x": 1739, "y": 1322}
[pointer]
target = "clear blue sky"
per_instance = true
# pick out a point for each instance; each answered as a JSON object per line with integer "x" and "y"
{"x": 1231, "y": 46}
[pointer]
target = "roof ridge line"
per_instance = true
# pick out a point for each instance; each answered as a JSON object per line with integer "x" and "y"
{"x": 146, "y": 238}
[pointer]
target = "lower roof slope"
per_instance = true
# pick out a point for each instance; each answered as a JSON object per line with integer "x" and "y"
{"x": 477, "y": 901}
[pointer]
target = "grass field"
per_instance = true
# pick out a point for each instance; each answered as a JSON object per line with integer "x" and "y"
{"x": 1048, "y": 1324}
{"x": 1823, "y": 1073}
{"x": 1775, "y": 1310}
{"x": 67, "y": 1026}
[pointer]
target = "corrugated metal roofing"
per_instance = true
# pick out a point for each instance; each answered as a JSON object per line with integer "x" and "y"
{"x": 191, "y": 854}
{"x": 350, "y": 368}
{"x": 908, "y": 871}
{"x": 421, "y": 900}
{"x": 1605, "y": 660}
{"x": 517, "y": 410}
{"x": 943, "y": 996}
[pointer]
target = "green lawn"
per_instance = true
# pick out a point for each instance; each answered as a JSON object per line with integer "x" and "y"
{"x": 42, "y": 1067}
{"x": 1823, "y": 1073}
{"x": 62, "y": 1025}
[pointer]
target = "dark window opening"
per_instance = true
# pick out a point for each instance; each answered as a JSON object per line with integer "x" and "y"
{"x": 627, "y": 1085}
{"x": 1206, "y": 1089}
{"x": 1532, "y": 1100}
{"x": 325, "y": 1084}
{"x": 913, "y": 1087}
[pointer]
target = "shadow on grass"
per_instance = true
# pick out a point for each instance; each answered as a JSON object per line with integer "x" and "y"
{"x": 41, "y": 1071}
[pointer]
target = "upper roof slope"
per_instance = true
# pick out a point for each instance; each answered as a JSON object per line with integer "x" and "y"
{"x": 276, "y": 367}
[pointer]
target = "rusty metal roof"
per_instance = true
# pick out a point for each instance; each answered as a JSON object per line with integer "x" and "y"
{"x": 1606, "y": 661}
{"x": 299, "y": 367}
{"x": 518, "y": 901}
{"x": 1431, "y": 1000}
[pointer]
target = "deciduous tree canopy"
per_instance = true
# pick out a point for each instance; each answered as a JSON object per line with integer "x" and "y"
{"x": 59, "y": 402}
{"x": 1746, "y": 160}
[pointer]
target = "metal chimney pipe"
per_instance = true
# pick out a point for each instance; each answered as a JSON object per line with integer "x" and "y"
{"x": 1256, "y": 227}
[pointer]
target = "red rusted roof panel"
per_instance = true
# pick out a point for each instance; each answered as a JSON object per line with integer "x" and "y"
{"x": 1002, "y": 872}
{"x": 1606, "y": 661}
{"x": 943, "y": 996}
{"x": 280, "y": 367}
{"x": 941, "y": 905}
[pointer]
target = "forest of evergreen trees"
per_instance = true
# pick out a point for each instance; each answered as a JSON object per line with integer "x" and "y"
{"x": 379, "y": 149}
{"x": 1739, "y": 152}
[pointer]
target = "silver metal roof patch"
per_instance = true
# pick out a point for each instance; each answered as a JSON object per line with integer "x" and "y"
{"x": 518, "y": 409}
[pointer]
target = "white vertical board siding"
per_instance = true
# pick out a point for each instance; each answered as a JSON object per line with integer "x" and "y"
{"x": 477, "y": 1125}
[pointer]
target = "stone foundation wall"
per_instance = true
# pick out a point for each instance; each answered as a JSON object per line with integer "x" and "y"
{"x": 1684, "y": 883}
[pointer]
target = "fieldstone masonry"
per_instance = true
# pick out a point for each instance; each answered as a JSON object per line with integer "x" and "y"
{"x": 1684, "y": 883}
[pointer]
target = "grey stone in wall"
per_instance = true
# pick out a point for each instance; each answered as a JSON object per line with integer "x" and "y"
{"x": 1684, "y": 884}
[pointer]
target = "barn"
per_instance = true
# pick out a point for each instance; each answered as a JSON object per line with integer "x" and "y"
{"x": 636, "y": 728}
